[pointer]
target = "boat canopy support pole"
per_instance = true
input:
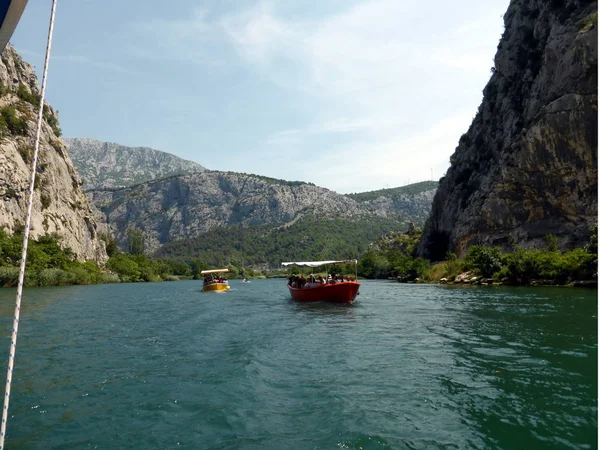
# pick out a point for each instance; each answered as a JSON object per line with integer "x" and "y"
{"x": 15, "y": 329}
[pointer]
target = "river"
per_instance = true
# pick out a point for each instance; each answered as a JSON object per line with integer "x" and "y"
{"x": 165, "y": 366}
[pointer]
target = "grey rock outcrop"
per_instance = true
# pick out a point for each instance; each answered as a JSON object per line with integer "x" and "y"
{"x": 413, "y": 207}
{"x": 528, "y": 164}
{"x": 109, "y": 165}
{"x": 60, "y": 206}
{"x": 189, "y": 205}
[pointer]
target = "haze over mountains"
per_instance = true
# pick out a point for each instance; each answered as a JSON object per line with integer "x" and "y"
{"x": 188, "y": 205}
{"x": 191, "y": 208}
{"x": 178, "y": 206}
{"x": 111, "y": 165}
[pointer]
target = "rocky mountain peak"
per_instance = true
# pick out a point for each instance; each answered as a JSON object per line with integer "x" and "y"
{"x": 110, "y": 165}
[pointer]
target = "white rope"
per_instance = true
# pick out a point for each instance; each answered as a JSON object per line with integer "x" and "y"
{"x": 13, "y": 344}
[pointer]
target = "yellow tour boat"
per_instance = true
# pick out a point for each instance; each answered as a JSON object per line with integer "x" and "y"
{"x": 214, "y": 281}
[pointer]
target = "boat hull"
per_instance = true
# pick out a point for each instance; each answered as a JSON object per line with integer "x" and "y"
{"x": 342, "y": 292}
{"x": 215, "y": 287}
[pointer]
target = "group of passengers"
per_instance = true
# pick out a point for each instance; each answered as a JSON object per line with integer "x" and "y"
{"x": 209, "y": 279}
{"x": 296, "y": 281}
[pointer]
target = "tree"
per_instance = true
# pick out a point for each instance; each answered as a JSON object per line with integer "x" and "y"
{"x": 551, "y": 242}
{"x": 487, "y": 260}
{"x": 111, "y": 244}
{"x": 373, "y": 265}
{"x": 127, "y": 269}
{"x": 197, "y": 267}
{"x": 135, "y": 241}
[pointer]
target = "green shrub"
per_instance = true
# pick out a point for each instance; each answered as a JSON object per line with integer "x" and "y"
{"x": 485, "y": 260}
{"x": 24, "y": 94}
{"x": 125, "y": 267}
{"x": 373, "y": 265}
{"x": 135, "y": 241}
{"x": 10, "y": 193}
{"x": 575, "y": 265}
{"x": 588, "y": 22}
{"x": 111, "y": 244}
{"x": 173, "y": 267}
{"x": 54, "y": 277}
{"x": 551, "y": 242}
{"x": 526, "y": 265}
{"x": 107, "y": 278}
{"x": 46, "y": 201}
{"x": 419, "y": 267}
{"x": 53, "y": 122}
{"x": 9, "y": 276}
{"x": 26, "y": 154}
{"x": 9, "y": 121}
{"x": 3, "y": 89}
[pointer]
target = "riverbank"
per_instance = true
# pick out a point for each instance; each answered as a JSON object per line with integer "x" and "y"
{"x": 470, "y": 279}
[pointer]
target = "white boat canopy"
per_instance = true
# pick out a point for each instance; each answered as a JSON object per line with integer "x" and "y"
{"x": 214, "y": 271}
{"x": 318, "y": 263}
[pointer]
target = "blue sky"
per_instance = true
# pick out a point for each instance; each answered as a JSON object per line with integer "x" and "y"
{"x": 351, "y": 95}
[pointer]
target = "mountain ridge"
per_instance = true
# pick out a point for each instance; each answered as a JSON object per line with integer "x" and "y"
{"x": 186, "y": 206}
{"x": 109, "y": 164}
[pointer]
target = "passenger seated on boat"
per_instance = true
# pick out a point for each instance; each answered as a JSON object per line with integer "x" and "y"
{"x": 302, "y": 281}
{"x": 320, "y": 280}
{"x": 311, "y": 278}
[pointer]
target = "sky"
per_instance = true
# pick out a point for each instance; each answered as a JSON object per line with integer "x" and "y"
{"x": 351, "y": 95}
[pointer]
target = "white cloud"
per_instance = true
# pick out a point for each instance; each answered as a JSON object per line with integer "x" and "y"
{"x": 376, "y": 62}
{"x": 390, "y": 162}
{"x": 401, "y": 79}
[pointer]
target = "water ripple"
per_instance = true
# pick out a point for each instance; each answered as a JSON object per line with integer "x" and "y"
{"x": 406, "y": 366}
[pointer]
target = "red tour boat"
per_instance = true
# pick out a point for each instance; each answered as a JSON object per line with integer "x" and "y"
{"x": 330, "y": 289}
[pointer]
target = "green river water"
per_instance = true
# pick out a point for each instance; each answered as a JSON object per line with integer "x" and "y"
{"x": 165, "y": 366}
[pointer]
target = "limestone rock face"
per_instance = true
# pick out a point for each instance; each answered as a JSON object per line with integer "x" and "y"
{"x": 189, "y": 205}
{"x": 109, "y": 165}
{"x": 60, "y": 206}
{"x": 528, "y": 164}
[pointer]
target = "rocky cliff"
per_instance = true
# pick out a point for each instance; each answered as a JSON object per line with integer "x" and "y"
{"x": 527, "y": 166}
{"x": 110, "y": 165}
{"x": 187, "y": 206}
{"x": 60, "y": 205}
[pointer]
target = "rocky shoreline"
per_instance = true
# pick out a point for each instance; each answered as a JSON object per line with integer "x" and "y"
{"x": 468, "y": 278}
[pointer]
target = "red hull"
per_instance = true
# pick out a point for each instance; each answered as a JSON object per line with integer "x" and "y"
{"x": 343, "y": 292}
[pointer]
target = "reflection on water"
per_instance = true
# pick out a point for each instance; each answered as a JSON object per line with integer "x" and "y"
{"x": 324, "y": 308}
{"x": 35, "y": 300}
